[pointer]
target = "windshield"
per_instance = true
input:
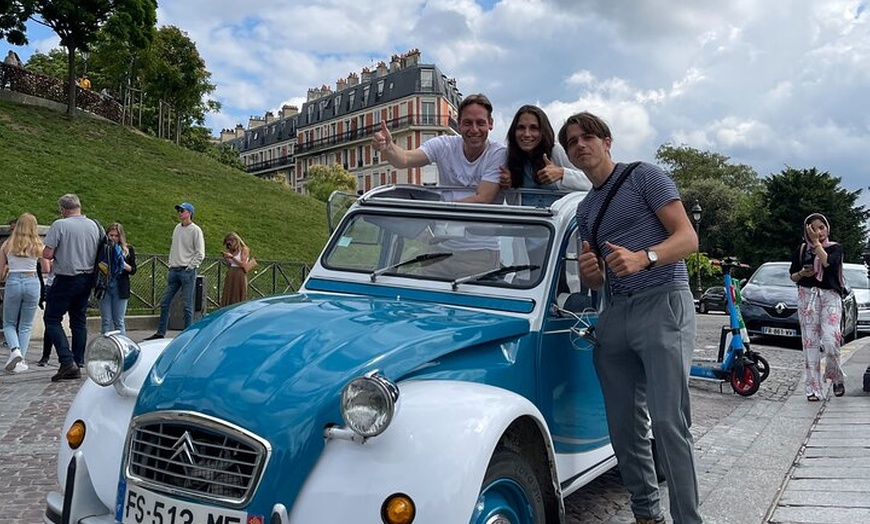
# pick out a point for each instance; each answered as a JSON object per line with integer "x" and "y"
{"x": 446, "y": 249}
{"x": 772, "y": 275}
{"x": 856, "y": 277}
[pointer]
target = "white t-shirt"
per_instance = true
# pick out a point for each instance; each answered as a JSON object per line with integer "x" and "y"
{"x": 455, "y": 170}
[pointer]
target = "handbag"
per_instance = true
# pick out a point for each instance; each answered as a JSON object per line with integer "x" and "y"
{"x": 249, "y": 265}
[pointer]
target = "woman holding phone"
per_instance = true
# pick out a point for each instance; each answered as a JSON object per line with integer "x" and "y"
{"x": 817, "y": 268}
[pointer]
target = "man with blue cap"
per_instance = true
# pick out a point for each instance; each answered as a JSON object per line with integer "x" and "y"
{"x": 185, "y": 255}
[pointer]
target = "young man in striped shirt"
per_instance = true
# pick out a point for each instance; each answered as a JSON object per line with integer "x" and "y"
{"x": 646, "y": 332}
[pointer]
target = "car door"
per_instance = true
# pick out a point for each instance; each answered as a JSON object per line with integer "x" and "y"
{"x": 570, "y": 393}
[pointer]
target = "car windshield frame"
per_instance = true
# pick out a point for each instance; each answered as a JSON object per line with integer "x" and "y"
{"x": 376, "y": 242}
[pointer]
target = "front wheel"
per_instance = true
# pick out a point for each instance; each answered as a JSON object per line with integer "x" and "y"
{"x": 702, "y": 307}
{"x": 510, "y": 493}
{"x": 746, "y": 383}
{"x": 762, "y": 365}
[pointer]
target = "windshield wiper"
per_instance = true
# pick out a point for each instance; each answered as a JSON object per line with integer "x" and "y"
{"x": 492, "y": 273}
{"x": 425, "y": 257}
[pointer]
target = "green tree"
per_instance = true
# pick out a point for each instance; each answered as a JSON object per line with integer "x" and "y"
{"x": 77, "y": 22}
{"x": 791, "y": 195}
{"x": 13, "y": 15}
{"x": 54, "y": 63}
{"x": 726, "y": 193}
{"x": 174, "y": 72}
{"x": 322, "y": 180}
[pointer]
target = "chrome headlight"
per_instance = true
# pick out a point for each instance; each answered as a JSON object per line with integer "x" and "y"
{"x": 368, "y": 404}
{"x": 108, "y": 356}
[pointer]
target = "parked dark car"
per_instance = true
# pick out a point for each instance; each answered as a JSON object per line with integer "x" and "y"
{"x": 856, "y": 276}
{"x": 713, "y": 299}
{"x": 769, "y": 304}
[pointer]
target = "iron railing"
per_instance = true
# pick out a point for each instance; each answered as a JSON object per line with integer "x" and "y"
{"x": 270, "y": 277}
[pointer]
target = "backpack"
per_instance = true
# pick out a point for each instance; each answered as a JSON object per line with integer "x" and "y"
{"x": 108, "y": 265}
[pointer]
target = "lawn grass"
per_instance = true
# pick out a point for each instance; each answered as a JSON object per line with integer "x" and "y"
{"x": 124, "y": 176}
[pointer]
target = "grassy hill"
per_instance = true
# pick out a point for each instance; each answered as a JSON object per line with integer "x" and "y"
{"x": 123, "y": 176}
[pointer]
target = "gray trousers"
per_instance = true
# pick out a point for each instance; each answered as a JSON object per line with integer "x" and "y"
{"x": 643, "y": 357}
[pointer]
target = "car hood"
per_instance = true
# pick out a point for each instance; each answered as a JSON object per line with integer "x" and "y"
{"x": 769, "y": 295}
{"x": 276, "y": 366}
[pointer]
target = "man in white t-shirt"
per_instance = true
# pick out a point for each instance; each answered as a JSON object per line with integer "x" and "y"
{"x": 470, "y": 160}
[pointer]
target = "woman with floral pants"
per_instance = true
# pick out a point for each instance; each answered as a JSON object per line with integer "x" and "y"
{"x": 817, "y": 268}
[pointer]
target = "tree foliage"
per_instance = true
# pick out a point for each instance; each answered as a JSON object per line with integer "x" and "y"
{"x": 77, "y": 23}
{"x": 13, "y": 15}
{"x": 322, "y": 180}
{"x": 789, "y": 197}
{"x": 175, "y": 72}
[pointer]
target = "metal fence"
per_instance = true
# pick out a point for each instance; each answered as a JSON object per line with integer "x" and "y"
{"x": 270, "y": 277}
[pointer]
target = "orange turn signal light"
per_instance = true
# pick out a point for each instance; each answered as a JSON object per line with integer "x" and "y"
{"x": 75, "y": 435}
{"x": 398, "y": 508}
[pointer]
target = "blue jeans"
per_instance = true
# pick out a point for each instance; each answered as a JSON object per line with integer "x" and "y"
{"x": 112, "y": 310}
{"x": 68, "y": 295}
{"x": 185, "y": 280}
{"x": 19, "y": 308}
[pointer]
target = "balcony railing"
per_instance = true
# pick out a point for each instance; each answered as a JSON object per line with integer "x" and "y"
{"x": 361, "y": 133}
{"x": 266, "y": 165}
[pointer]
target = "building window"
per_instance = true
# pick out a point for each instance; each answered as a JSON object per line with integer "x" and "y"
{"x": 427, "y": 113}
{"x": 426, "y": 79}
{"x": 350, "y": 98}
{"x": 365, "y": 98}
{"x": 380, "y": 88}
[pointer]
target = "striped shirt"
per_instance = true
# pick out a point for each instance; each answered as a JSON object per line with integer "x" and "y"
{"x": 630, "y": 221}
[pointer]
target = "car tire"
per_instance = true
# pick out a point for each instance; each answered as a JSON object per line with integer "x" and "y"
{"x": 702, "y": 307}
{"x": 510, "y": 492}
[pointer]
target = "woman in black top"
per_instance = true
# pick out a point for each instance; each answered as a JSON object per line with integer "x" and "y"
{"x": 817, "y": 267}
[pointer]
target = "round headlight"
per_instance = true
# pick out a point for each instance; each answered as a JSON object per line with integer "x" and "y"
{"x": 368, "y": 404}
{"x": 108, "y": 356}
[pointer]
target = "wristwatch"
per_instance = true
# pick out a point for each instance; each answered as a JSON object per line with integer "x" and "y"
{"x": 652, "y": 257}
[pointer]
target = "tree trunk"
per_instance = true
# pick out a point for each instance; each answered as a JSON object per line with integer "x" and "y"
{"x": 71, "y": 80}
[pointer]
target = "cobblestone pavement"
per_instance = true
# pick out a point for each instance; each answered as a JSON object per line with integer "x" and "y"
{"x": 32, "y": 410}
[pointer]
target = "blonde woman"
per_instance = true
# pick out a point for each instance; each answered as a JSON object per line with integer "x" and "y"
{"x": 237, "y": 256}
{"x": 113, "y": 305}
{"x": 19, "y": 256}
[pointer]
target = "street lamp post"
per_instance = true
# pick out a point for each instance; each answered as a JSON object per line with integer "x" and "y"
{"x": 696, "y": 217}
{"x": 85, "y": 56}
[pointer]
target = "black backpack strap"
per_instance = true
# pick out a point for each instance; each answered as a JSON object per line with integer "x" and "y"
{"x": 593, "y": 233}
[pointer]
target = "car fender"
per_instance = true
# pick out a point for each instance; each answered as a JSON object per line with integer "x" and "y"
{"x": 436, "y": 450}
{"x": 106, "y": 412}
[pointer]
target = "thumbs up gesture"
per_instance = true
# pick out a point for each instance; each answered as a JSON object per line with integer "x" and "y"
{"x": 382, "y": 139}
{"x": 590, "y": 267}
{"x": 550, "y": 173}
{"x": 624, "y": 262}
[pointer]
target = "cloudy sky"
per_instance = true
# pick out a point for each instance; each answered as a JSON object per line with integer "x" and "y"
{"x": 769, "y": 84}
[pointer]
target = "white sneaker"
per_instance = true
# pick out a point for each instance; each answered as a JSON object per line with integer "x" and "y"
{"x": 14, "y": 358}
{"x": 21, "y": 366}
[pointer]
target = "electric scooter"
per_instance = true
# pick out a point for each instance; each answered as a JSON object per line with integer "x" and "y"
{"x": 743, "y": 368}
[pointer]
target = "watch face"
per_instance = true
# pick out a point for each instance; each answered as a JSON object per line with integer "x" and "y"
{"x": 652, "y": 256}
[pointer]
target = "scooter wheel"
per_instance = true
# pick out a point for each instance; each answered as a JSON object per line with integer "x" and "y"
{"x": 763, "y": 366}
{"x": 745, "y": 384}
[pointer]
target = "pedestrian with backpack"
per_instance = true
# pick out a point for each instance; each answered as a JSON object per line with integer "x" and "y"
{"x": 120, "y": 262}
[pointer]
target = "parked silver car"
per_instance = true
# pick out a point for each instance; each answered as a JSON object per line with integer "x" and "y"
{"x": 770, "y": 301}
{"x": 857, "y": 277}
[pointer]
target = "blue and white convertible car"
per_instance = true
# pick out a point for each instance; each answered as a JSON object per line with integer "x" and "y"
{"x": 434, "y": 368}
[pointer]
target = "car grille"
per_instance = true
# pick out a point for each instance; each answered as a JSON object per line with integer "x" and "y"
{"x": 784, "y": 312}
{"x": 201, "y": 457}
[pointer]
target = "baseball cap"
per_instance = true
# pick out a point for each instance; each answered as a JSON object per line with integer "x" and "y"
{"x": 186, "y": 206}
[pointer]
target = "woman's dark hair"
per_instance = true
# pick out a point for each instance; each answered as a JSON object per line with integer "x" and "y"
{"x": 517, "y": 158}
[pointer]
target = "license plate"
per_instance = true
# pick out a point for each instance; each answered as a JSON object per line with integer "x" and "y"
{"x": 778, "y": 332}
{"x": 141, "y": 506}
